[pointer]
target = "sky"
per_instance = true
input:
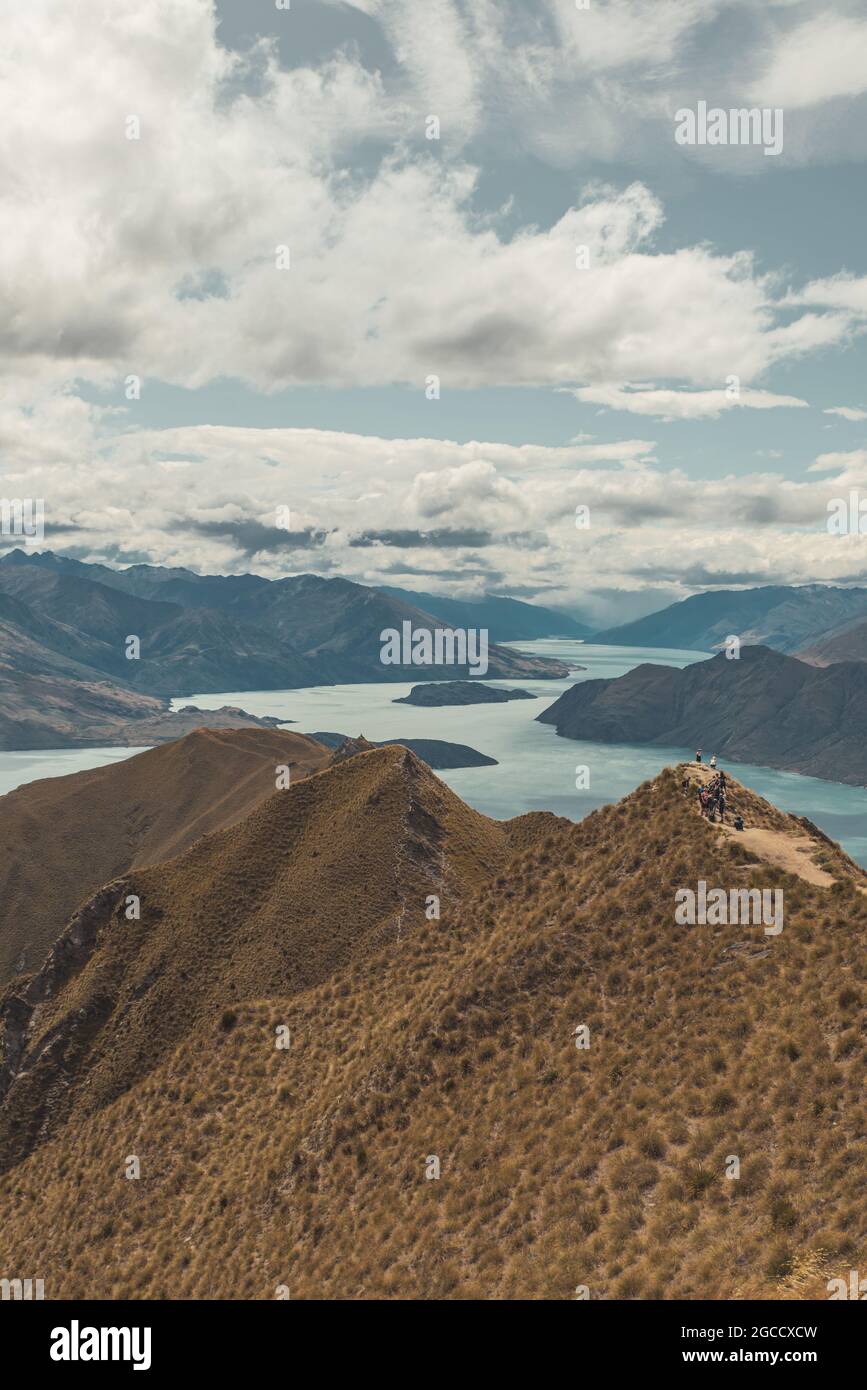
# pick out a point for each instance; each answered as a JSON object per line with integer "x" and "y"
{"x": 433, "y": 294}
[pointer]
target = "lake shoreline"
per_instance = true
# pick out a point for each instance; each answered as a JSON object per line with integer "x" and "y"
{"x": 535, "y": 769}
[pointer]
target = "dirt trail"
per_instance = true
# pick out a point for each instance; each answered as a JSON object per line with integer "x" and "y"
{"x": 789, "y": 852}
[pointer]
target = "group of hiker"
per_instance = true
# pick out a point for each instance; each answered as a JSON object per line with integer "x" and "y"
{"x": 713, "y": 795}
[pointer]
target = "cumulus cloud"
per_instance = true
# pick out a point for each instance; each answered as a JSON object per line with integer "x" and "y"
{"x": 848, "y": 412}
{"x": 822, "y": 58}
{"x": 666, "y": 404}
{"x": 438, "y": 513}
{"x": 291, "y": 225}
{"x": 159, "y": 255}
{"x": 843, "y": 291}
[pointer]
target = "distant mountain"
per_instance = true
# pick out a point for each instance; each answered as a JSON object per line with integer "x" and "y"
{"x": 61, "y": 837}
{"x": 764, "y": 708}
{"x": 341, "y": 1041}
{"x": 507, "y": 619}
{"x": 461, "y": 693}
{"x": 214, "y": 632}
{"x": 787, "y": 619}
{"x": 846, "y": 643}
{"x": 51, "y": 700}
{"x": 436, "y": 752}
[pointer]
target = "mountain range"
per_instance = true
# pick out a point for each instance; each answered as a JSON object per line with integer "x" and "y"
{"x": 291, "y": 1056}
{"x": 789, "y": 619}
{"x": 66, "y": 677}
{"x": 764, "y": 707}
{"x": 846, "y": 643}
{"x": 506, "y": 619}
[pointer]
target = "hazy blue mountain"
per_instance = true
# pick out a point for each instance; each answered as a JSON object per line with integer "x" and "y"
{"x": 787, "y": 619}
{"x": 507, "y": 619}
{"x": 66, "y": 625}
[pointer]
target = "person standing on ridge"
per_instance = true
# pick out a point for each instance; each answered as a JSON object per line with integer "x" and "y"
{"x": 713, "y": 760}
{"x": 698, "y": 755}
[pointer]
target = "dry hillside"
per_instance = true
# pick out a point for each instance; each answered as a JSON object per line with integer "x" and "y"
{"x": 304, "y": 1168}
{"x": 62, "y": 837}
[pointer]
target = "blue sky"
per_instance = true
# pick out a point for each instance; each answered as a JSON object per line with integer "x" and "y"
{"x": 157, "y": 157}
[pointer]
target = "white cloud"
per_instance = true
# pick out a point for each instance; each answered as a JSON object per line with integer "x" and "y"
{"x": 823, "y": 58}
{"x": 848, "y": 412}
{"x": 393, "y": 276}
{"x": 666, "y": 404}
{"x": 850, "y": 466}
{"x": 157, "y": 257}
{"x": 432, "y": 511}
{"x": 843, "y": 291}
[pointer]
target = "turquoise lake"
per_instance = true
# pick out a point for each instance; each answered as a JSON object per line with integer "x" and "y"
{"x": 536, "y": 770}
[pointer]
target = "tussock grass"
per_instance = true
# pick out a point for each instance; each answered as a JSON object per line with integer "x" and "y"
{"x": 558, "y": 1166}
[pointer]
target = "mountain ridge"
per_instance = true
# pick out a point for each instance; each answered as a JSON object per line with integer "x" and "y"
{"x": 764, "y": 707}
{"x": 454, "y": 1042}
{"x": 63, "y": 837}
{"x": 507, "y": 619}
{"x": 786, "y": 618}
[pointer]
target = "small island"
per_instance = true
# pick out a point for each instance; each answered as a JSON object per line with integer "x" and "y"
{"x": 438, "y": 754}
{"x": 461, "y": 693}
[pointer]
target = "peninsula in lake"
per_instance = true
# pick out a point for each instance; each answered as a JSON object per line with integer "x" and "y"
{"x": 764, "y": 708}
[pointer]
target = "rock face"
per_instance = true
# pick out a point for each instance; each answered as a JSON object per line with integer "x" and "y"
{"x": 436, "y": 752}
{"x": 462, "y": 693}
{"x": 787, "y": 619}
{"x": 764, "y": 708}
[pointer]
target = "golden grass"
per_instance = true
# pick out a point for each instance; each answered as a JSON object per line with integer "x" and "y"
{"x": 559, "y": 1167}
